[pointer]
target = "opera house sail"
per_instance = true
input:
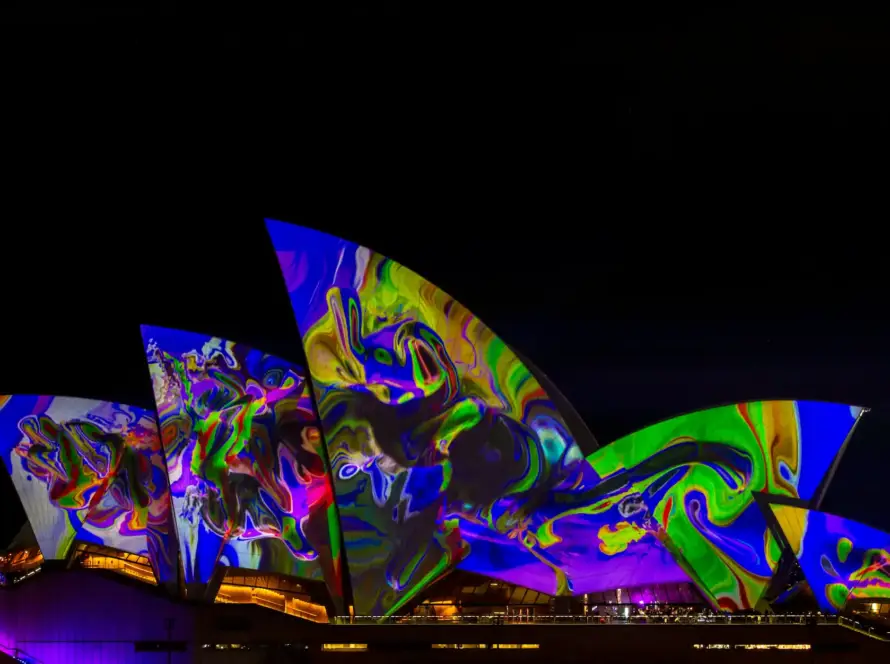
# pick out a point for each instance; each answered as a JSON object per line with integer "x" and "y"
{"x": 410, "y": 457}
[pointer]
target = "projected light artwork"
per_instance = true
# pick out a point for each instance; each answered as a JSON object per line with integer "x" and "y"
{"x": 600, "y": 536}
{"x": 688, "y": 483}
{"x": 88, "y": 470}
{"x": 442, "y": 443}
{"x": 242, "y": 444}
{"x": 842, "y": 559}
{"x": 424, "y": 444}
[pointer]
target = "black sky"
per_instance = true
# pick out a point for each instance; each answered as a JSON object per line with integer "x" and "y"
{"x": 666, "y": 211}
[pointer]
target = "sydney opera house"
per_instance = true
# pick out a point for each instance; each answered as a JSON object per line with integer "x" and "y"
{"x": 415, "y": 488}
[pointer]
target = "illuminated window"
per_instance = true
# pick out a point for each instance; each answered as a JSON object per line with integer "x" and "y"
{"x": 753, "y": 646}
{"x": 26, "y": 575}
{"x": 777, "y": 646}
{"x": 21, "y": 561}
{"x": 94, "y": 556}
{"x": 516, "y": 646}
{"x": 459, "y": 646}
{"x": 254, "y": 646}
{"x": 279, "y": 593}
{"x": 347, "y": 647}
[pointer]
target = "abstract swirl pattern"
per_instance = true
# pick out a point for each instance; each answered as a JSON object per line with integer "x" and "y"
{"x": 89, "y": 470}
{"x": 842, "y": 559}
{"x": 248, "y": 476}
{"x": 688, "y": 483}
{"x": 602, "y": 535}
{"x": 442, "y": 443}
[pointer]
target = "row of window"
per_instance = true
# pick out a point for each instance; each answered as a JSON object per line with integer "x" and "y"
{"x": 753, "y": 646}
{"x": 362, "y": 647}
{"x": 485, "y": 646}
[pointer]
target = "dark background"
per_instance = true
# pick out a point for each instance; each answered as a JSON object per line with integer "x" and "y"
{"x": 666, "y": 209}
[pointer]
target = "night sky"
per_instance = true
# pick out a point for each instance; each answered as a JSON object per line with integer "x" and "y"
{"x": 689, "y": 212}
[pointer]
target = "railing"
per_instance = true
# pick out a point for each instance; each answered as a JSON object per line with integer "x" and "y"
{"x": 19, "y": 655}
{"x": 590, "y": 620}
{"x": 881, "y": 634}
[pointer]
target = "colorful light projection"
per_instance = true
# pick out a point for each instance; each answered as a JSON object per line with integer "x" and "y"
{"x": 248, "y": 478}
{"x": 442, "y": 443}
{"x": 841, "y": 559}
{"x": 599, "y": 534}
{"x": 89, "y": 470}
{"x": 688, "y": 483}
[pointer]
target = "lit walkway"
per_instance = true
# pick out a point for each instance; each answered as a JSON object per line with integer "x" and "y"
{"x": 593, "y": 620}
{"x": 868, "y": 630}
